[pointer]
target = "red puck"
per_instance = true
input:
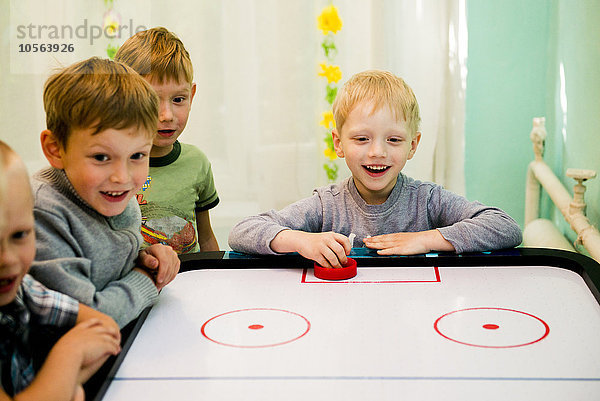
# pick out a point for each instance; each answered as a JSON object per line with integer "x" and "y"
{"x": 345, "y": 272}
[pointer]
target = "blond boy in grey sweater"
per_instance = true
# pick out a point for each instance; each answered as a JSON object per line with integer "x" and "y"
{"x": 377, "y": 132}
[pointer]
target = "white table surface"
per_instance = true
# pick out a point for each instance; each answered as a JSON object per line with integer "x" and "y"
{"x": 422, "y": 333}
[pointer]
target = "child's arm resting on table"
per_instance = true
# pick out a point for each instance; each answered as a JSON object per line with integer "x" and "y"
{"x": 455, "y": 225}
{"x": 76, "y": 355}
{"x": 61, "y": 264}
{"x": 85, "y": 314}
{"x": 295, "y": 228}
{"x": 409, "y": 243}
{"x": 327, "y": 249}
{"x": 123, "y": 298}
{"x": 255, "y": 234}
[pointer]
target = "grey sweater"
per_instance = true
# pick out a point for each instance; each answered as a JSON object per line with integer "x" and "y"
{"x": 412, "y": 206}
{"x": 86, "y": 255}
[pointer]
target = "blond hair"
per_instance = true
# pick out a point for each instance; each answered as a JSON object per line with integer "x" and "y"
{"x": 98, "y": 93}
{"x": 157, "y": 53}
{"x": 380, "y": 88}
{"x": 7, "y": 157}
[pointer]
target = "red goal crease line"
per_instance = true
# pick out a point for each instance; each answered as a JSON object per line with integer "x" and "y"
{"x": 310, "y": 279}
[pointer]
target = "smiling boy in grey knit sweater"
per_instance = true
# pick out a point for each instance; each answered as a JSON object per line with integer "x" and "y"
{"x": 377, "y": 132}
{"x": 101, "y": 118}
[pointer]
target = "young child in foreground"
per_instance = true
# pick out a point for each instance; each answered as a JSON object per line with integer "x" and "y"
{"x": 27, "y": 307}
{"x": 377, "y": 132}
{"x": 101, "y": 119}
{"x": 180, "y": 189}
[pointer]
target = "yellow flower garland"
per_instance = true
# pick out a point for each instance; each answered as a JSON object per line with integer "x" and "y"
{"x": 329, "y": 20}
{"x": 110, "y": 23}
{"x": 329, "y": 23}
{"x": 331, "y": 72}
{"x": 328, "y": 122}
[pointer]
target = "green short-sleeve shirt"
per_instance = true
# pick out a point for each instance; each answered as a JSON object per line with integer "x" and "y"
{"x": 178, "y": 185}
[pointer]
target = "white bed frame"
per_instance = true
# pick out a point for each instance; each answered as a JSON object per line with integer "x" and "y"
{"x": 542, "y": 232}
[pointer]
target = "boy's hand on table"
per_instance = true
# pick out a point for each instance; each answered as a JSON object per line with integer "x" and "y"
{"x": 92, "y": 342}
{"x": 163, "y": 259}
{"x": 327, "y": 249}
{"x": 73, "y": 359}
{"x": 411, "y": 243}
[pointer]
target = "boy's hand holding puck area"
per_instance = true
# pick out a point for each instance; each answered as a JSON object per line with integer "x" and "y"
{"x": 345, "y": 272}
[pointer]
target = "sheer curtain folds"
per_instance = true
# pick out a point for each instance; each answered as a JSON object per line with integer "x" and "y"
{"x": 259, "y": 99}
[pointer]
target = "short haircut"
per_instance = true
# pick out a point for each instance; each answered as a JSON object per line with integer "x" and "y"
{"x": 7, "y": 157}
{"x": 157, "y": 53}
{"x": 98, "y": 93}
{"x": 380, "y": 88}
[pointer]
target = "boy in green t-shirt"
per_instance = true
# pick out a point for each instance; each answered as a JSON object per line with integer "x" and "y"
{"x": 180, "y": 190}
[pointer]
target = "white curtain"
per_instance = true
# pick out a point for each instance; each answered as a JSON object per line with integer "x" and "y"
{"x": 259, "y": 99}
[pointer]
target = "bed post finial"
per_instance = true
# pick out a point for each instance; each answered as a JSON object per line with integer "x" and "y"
{"x": 577, "y": 205}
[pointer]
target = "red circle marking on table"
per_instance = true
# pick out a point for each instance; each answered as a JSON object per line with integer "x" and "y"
{"x": 345, "y": 272}
{"x": 545, "y": 325}
{"x": 203, "y": 328}
{"x": 255, "y": 326}
{"x": 490, "y": 326}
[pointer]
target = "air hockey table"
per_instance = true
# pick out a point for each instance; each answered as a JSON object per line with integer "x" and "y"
{"x": 519, "y": 324}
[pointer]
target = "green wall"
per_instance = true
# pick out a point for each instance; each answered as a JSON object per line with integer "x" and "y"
{"x": 506, "y": 88}
{"x": 575, "y": 140}
{"x": 516, "y": 52}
